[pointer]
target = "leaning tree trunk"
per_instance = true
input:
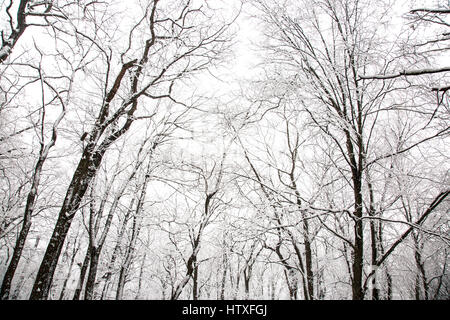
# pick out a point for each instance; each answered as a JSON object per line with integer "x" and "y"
{"x": 421, "y": 277}
{"x": 29, "y": 207}
{"x": 89, "y": 164}
{"x": 83, "y": 175}
{"x": 8, "y": 44}
{"x": 18, "y": 248}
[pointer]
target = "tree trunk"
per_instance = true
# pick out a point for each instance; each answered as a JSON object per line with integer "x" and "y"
{"x": 358, "y": 261}
{"x": 309, "y": 294}
{"x": 82, "y": 177}
{"x": 26, "y": 224}
{"x": 87, "y": 168}
{"x": 83, "y": 271}
{"x": 224, "y": 276}
{"x": 9, "y": 275}
{"x": 116, "y": 250}
{"x": 358, "y": 253}
{"x": 128, "y": 255}
{"x": 46, "y": 271}
{"x": 141, "y": 274}
{"x": 93, "y": 266}
{"x": 389, "y": 285}
{"x": 192, "y": 261}
{"x": 308, "y": 261}
{"x": 421, "y": 278}
{"x": 195, "y": 280}
{"x": 72, "y": 261}
{"x": 374, "y": 242}
{"x": 292, "y": 286}
{"x": 8, "y": 44}
{"x": 137, "y": 219}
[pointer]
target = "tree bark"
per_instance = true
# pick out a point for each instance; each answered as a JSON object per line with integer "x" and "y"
{"x": 16, "y": 32}
{"x": 357, "y": 266}
{"x": 195, "y": 280}
{"x": 83, "y": 271}
{"x": 69, "y": 272}
{"x": 29, "y": 208}
{"x": 20, "y": 243}
{"x": 224, "y": 275}
{"x": 93, "y": 266}
{"x": 83, "y": 175}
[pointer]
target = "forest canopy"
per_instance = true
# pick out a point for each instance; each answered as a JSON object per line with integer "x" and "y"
{"x": 244, "y": 149}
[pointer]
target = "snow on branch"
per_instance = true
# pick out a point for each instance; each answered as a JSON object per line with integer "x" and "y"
{"x": 436, "y": 11}
{"x": 406, "y": 73}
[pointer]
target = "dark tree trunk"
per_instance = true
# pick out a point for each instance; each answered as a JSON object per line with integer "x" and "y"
{"x": 26, "y": 224}
{"x": 195, "y": 280}
{"x": 356, "y": 164}
{"x": 308, "y": 262}
{"x": 125, "y": 268}
{"x": 374, "y": 241}
{"x": 137, "y": 219}
{"x": 9, "y": 275}
{"x": 16, "y": 33}
{"x": 381, "y": 253}
{"x": 224, "y": 276}
{"x": 82, "y": 177}
{"x": 421, "y": 278}
{"x": 83, "y": 271}
{"x": 288, "y": 272}
{"x": 192, "y": 261}
{"x": 309, "y": 294}
{"x": 93, "y": 266}
{"x": 87, "y": 168}
{"x": 247, "y": 287}
{"x": 358, "y": 247}
{"x": 389, "y": 285}
{"x": 46, "y": 271}
{"x": 130, "y": 249}
{"x": 121, "y": 283}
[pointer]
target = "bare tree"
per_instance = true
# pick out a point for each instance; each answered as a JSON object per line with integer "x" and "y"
{"x": 25, "y": 12}
{"x": 427, "y": 49}
{"x": 325, "y": 51}
{"x": 58, "y": 97}
{"x": 200, "y": 49}
{"x": 211, "y": 183}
